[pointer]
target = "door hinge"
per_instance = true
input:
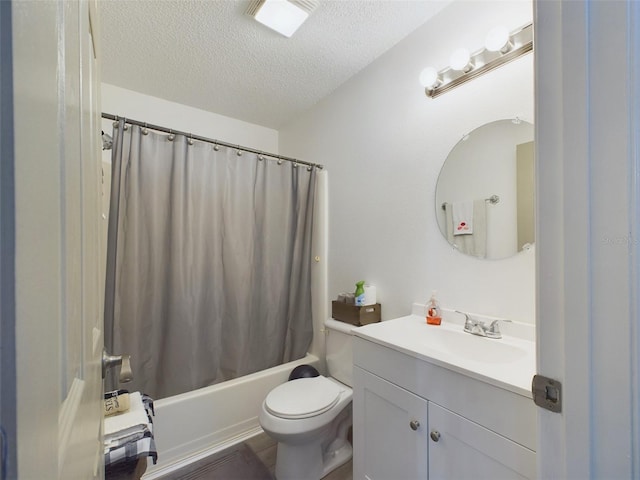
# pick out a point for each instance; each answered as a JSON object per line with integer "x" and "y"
{"x": 547, "y": 393}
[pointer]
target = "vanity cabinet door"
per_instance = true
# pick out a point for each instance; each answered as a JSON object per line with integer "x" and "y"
{"x": 462, "y": 449}
{"x": 390, "y": 431}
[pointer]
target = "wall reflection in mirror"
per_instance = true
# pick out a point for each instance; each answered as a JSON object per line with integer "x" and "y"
{"x": 485, "y": 191}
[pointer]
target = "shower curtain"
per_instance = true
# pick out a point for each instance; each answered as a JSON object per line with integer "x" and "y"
{"x": 208, "y": 261}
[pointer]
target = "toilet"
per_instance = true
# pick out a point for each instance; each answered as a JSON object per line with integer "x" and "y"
{"x": 310, "y": 417}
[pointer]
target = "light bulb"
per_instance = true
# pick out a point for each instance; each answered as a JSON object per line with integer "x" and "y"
{"x": 460, "y": 59}
{"x": 497, "y": 39}
{"x": 429, "y": 77}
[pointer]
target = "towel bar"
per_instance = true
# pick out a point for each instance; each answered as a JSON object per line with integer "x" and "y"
{"x": 493, "y": 199}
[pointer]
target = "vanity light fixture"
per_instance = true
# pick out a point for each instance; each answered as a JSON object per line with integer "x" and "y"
{"x": 461, "y": 60}
{"x": 498, "y": 40}
{"x": 501, "y": 47}
{"x": 429, "y": 77}
{"x": 283, "y": 16}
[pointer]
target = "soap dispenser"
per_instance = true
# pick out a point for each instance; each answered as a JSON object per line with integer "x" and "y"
{"x": 434, "y": 314}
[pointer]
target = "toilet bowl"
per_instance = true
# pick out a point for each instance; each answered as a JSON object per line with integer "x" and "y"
{"x": 310, "y": 418}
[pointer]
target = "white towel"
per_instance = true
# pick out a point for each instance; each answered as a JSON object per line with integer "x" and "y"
{"x": 476, "y": 243}
{"x": 462, "y": 213}
{"x": 126, "y": 422}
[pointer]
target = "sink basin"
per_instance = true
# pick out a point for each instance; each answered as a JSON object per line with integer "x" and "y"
{"x": 473, "y": 347}
{"x": 508, "y": 362}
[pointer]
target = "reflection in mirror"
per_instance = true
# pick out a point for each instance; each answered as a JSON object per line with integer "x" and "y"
{"x": 485, "y": 191}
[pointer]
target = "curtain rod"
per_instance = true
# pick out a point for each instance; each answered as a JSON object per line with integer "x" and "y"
{"x": 110, "y": 116}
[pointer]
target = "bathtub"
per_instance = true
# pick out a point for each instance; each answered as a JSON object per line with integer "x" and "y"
{"x": 192, "y": 425}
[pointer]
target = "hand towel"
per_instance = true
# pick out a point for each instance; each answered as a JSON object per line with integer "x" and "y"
{"x": 462, "y": 213}
{"x": 476, "y": 243}
{"x": 135, "y": 441}
{"x": 127, "y": 421}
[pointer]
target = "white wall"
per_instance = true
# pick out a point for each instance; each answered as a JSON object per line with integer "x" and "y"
{"x": 137, "y": 106}
{"x": 384, "y": 142}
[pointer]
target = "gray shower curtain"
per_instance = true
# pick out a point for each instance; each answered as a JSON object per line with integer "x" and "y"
{"x": 208, "y": 261}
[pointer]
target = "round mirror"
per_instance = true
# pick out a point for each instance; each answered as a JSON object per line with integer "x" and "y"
{"x": 485, "y": 191}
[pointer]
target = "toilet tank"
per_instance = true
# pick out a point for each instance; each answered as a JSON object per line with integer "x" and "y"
{"x": 339, "y": 350}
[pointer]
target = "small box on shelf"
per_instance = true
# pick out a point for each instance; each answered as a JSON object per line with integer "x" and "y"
{"x": 356, "y": 315}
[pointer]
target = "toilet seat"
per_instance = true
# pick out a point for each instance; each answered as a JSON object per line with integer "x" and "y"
{"x": 302, "y": 398}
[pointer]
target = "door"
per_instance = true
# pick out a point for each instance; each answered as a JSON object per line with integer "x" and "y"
{"x": 390, "y": 430}
{"x": 588, "y": 236}
{"x": 462, "y": 449}
{"x": 59, "y": 278}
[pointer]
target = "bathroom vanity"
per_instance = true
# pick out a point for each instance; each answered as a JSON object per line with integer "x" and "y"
{"x": 435, "y": 402}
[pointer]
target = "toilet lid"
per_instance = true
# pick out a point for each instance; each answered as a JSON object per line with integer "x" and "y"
{"x": 302, "y": 398}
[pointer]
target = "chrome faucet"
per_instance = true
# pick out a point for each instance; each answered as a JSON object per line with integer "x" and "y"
{"x": 493, "y": 330}
{"x": 480, "y": 328}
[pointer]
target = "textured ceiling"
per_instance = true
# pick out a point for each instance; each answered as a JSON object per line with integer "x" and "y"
{"x": 210, "y": 55}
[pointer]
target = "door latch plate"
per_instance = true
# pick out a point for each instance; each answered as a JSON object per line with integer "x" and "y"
{"x": 547, "y": 393}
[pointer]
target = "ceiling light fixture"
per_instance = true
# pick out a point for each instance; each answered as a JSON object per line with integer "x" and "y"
{"x": 500, "y": 48}
{"x": 283, "y": 16}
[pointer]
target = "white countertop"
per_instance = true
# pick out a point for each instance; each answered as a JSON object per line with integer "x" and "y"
{"x": 509, "y": 362}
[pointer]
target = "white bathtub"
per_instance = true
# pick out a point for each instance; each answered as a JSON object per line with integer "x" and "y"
{"x": 195, "y": 424}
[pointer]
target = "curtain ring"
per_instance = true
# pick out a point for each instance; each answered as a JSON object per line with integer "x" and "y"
{"x": 144, "y": 130}
{"x": 279, "y": 161}
{"x": 309, "y": 168}
{"x": 295, "y": 165}
{"x": 171, "y": 136}
{"x": 190, "y": 139}
{"x": 239, "y": 152}
{"x": 260, "y": 158}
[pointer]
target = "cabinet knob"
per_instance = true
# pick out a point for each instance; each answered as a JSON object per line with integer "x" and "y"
{"x": 414, "y": 424}
{"x": 435, "y": 435}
